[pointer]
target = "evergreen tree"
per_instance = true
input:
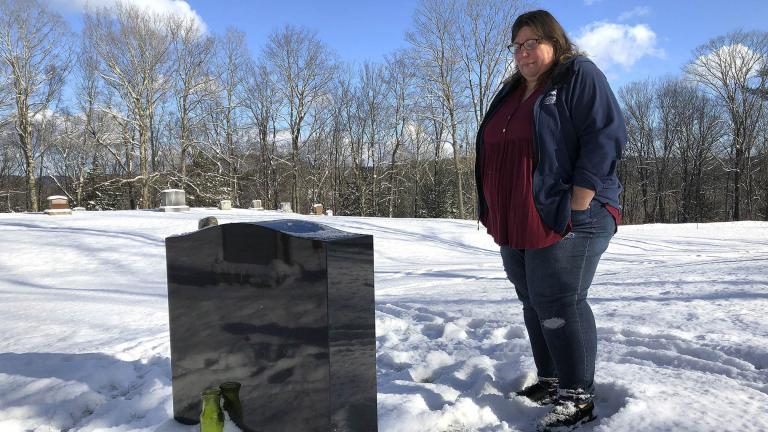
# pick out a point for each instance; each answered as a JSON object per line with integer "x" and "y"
{"x": 205, "y": 186}
{"x": 100, "y": 192}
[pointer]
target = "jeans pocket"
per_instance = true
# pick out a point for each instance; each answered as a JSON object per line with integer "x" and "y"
{"x": 581, "y": 217}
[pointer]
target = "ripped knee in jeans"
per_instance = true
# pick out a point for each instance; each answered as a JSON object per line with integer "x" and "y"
{"x": 553, "y": 323}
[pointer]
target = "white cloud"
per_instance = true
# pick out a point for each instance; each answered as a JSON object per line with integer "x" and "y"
{"x": 736, "y": 61}
{"x": 173, "y": 7}
{"x": 591, "y": 2}
{"x": 609, "y": 43}
{"x": 637, "y": 12}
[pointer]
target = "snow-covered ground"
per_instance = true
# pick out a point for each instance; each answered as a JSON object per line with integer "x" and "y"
{"x": 682, "y": 316}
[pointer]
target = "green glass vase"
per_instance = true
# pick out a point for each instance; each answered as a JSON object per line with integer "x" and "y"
{"x": 231, "y": 393}
{"x": 211, "y": 416}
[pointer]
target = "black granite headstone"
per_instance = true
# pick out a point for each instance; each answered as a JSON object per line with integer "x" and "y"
{"x": 285, "y": 308}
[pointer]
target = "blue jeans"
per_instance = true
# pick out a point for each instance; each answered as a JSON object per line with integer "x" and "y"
{"x": 552, "y": 284}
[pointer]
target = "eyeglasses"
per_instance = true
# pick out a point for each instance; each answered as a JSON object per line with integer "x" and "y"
{"x": 516, "y": 48}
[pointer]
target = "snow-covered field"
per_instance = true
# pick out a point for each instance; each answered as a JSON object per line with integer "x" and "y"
{"x": 682, "y": 316}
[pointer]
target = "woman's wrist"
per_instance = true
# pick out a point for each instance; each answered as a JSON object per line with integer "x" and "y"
{"x": 581, "y": 197}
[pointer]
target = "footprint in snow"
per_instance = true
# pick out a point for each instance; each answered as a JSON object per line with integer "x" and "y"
{"x": 84, "y": 387}
{"x": 668, "y": 350}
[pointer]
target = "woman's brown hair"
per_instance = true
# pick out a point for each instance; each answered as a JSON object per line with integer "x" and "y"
{"x": 548, "y": 28}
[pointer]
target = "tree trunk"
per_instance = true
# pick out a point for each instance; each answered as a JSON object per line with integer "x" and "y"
{"x": 295, "y": 172}
{"x": 29, "y": 162}
{"x": 737, "y": 182}
{"x": 184, "y": 138}
{"x": 392, "y": 177}
{"x": 144, "y": 167}
{"x": 456, "y": 167}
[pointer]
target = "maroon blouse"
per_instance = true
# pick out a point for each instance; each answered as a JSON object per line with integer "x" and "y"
{"x": 512, "y": 219}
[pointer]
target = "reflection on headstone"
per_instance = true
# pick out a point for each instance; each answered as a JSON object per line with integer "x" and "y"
{"x": 285, "y": 309}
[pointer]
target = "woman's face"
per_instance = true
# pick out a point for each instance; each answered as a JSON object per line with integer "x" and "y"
{"x": 536, "y": 61}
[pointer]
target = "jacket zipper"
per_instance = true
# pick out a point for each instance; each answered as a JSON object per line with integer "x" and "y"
{"x": 536, "y": 111}
{"x": 537, "y": 148}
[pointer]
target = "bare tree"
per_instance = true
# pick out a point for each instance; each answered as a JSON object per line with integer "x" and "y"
{"x": 6, "y": 162}
{"x": 727, "y": 66}
{"x": 762, "y": 168}
{"x": 417, "y": 160}
{"x": 689, "y": 128}
{"x": 132, "y": 46}
{"x": 233, "y": 61}
{"x": 304, "y": 67}
{"x": 701, "y": 128}
{"x": 483, "y": 32}
{"x": 8, "y": 147}
{"x": 484, "y": 29}
{"x": 35, "y": 44}
{"x": 638, "y": 101}
{"x": 192, "y": 53}
{"x": 667, "y": 101}
{"x": 372, "y": 111}
{"x": 356, "y": 124}
{"x": 66, "y": 159}
{"x": 7, "y": 97}
{"x": 317, "y": 158}
{"x": 341, "y": 144}
{"x": 87, "y": 95}
{"x": 432, "y": 39}
{"x": 158, "y": 102}
{"x": 434, "y": 188}
{"x": 262, "y": 101}
{"x": 674, "y": 130}
{"x": 92, "y": 131}
{"x": 400, "y": 80}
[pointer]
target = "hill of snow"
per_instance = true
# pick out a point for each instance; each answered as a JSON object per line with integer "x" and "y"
{"x": 680, "y": 309}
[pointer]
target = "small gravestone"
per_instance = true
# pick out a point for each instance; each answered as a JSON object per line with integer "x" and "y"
{"x": 225, "y": 205}
{"x": 256, "y": 205}
{"x": 317, "y": 209}
{"x": 285, "y": 207}
{"x": 206, "y": 222}
{"x": 58, "y": 205}
{"x": 329, "y": 212}
{"x": 173, "y": 200}
{"x": 286, "y": 309}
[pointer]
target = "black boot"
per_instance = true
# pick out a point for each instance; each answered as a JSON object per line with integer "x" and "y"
{"x": 544, "y": 392}
{"x": 567, "y": 415}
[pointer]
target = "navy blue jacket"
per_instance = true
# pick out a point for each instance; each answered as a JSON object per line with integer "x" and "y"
{"x": 579, "y": 137}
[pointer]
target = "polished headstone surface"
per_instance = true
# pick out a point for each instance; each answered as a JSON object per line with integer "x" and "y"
{"x": 286, "y": 308}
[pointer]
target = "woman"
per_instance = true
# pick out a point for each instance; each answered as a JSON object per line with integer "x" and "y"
{"x": 548, "y": 193}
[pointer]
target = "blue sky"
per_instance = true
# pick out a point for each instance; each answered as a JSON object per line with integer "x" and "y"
{"x": 630, "y": 39}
